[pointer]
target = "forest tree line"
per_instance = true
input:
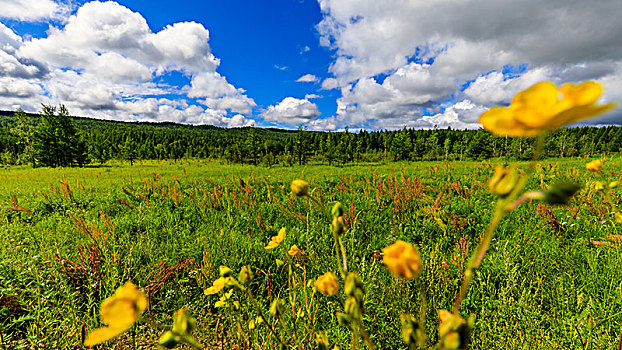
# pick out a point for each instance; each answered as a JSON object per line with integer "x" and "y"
{"x": 54, "y": 138}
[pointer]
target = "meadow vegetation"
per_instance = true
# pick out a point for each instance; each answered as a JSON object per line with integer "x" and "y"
{"x": 70, "y": 237}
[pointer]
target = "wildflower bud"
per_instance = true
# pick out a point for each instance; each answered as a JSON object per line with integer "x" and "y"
{"x": 327, "y": 284}
{"x": 169, "y": 340}
{"x": 246, "y": 274}
{"x": 402, "y": 259}
{"x": 300, "y": 187}
{"x": 618, "y": 218}
{"x": 354, "y": 286}
{"x": 183, "y": 322}
{"x": 293, "y": 251}
{"x": 321, "y": 339}
{"x": 503, "y": 181}
{"x": 277, "y": 308}
{"x": 251, "y": 325}
{"x": 560, "y": 192}
{"x": 337, "y": 210}
{"x": 353, "y": 308}
{"x": 594, "y": 166}
{"x": 454, "y": 332}
{"x": 225, "y": 271}
{"x": 598, "y": 186}
{"x": 279, "y": 262}
{"x": 412, "y": 333}
{"x": 344, "y": 320}
{"x": 337, "y": 226}
{"x": 613, "y": 184}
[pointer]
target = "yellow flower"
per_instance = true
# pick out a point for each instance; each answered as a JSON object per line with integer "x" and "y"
{"x": 300, "y": 187}
{"x": 327, "y": 284}
{"x": 294, "y": 250}
{"x": 594, "y": 165}
{"x": 402, "y": 259}
{"x": 119, "y": 312}
{"x": 540, "y": 108}
{"x": 503, "y": 181}
{"x": 276, "y": 240}
{"x": 217, "y": 286}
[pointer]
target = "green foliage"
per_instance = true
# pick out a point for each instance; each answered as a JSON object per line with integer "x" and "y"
{"x": 551, "y": 278}
{"x": 56, "y": 139}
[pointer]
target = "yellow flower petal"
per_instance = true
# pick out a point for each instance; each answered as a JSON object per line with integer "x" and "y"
{"x": 402, "y": 259}
{"x": 100, "y": 335}
{"x": 276, "y": 240}
{"x": 293, "y": 250}
{"x": 119, "y": 312}
{"x": 217, "y": 286}
{"x": 327, "y": 284}
{"x": 543, "y": 107}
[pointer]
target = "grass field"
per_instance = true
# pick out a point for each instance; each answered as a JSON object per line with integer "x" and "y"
{"x": 552, "y": 278}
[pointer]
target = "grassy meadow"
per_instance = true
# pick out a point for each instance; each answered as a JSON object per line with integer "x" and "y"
{"x": 69, "y": 237}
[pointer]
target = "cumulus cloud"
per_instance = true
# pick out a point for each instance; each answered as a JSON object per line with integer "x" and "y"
{"x": 458, "y": 44}
{"x": 307, "y": 78}
{"x": 31, "y": 10}
{"x": 291, "y": 111}
{"x": 105, "y": 62}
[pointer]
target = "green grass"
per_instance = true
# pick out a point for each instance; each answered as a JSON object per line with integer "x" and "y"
{"x": 543, "y": 284}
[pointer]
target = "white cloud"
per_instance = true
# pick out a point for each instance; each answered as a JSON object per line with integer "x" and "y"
{"x": 307, "y": 78}
{"x": 329, "y": 84}
{"x": 31, "y": 10}
{"x": 11, "y": 87}
{"x": 291, "y": 111}
{"x": 312, "y": 96}
{"x": 105, "y": 62}
{"x": 454, "y": 43}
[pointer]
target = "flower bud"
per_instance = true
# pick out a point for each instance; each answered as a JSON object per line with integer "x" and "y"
{"x": 277, "y": 308}
{"x": 412, "y": 333}
{"x": 337, "y": 210}
{"x": 225, "y": 271}
{"x": 169, "y": 340}
{"x": 246, "y": 274}
{"x": 300, "y": 187}
{"x": 561, "y": 192}
{"x": 613, "y": 184}
{"x": 183, "y": 322}
{"x": 503, "y": 181}
{"x": 337, "y": 226}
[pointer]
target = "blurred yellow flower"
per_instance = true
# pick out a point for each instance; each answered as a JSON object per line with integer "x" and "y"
{"x": 276, "y": 240}
{"x": 294, "y": 250}
{"x": 327, "y": 284}
{"x": 544, "y": 107}
{"x": 402, "y": 259}
{"x": 595, "y": 165}
{"x": 119, "y": 312}
{"x": 217, "y": 286}
{"x": 503, "y": 181}
{"x": 300, "y": 187}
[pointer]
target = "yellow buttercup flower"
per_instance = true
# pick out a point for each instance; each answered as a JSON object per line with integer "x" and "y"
{"x": 300, "y": 187}
{"x": 327, "y": 284}
{"x": 544, "y": 107}
{"x": 294, "y": 250}
{"x": 402, "y": 259}
{"x": 276, "y": 240}
{"x": 217, "y": 286}
{"x": 119, "y": 312}
{"x": 595, "y": 165}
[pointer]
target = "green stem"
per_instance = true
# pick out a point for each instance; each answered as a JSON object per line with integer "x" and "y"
{"x": 259, "y": 311}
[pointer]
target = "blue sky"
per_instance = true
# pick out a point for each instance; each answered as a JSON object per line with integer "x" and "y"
{"x": 323, "y": 64}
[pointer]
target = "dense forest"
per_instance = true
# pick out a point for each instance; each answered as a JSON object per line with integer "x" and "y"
{"x": 54, "y": 138}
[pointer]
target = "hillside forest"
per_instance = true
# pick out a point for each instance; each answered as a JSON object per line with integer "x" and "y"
{"x": 55, "y": 138}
